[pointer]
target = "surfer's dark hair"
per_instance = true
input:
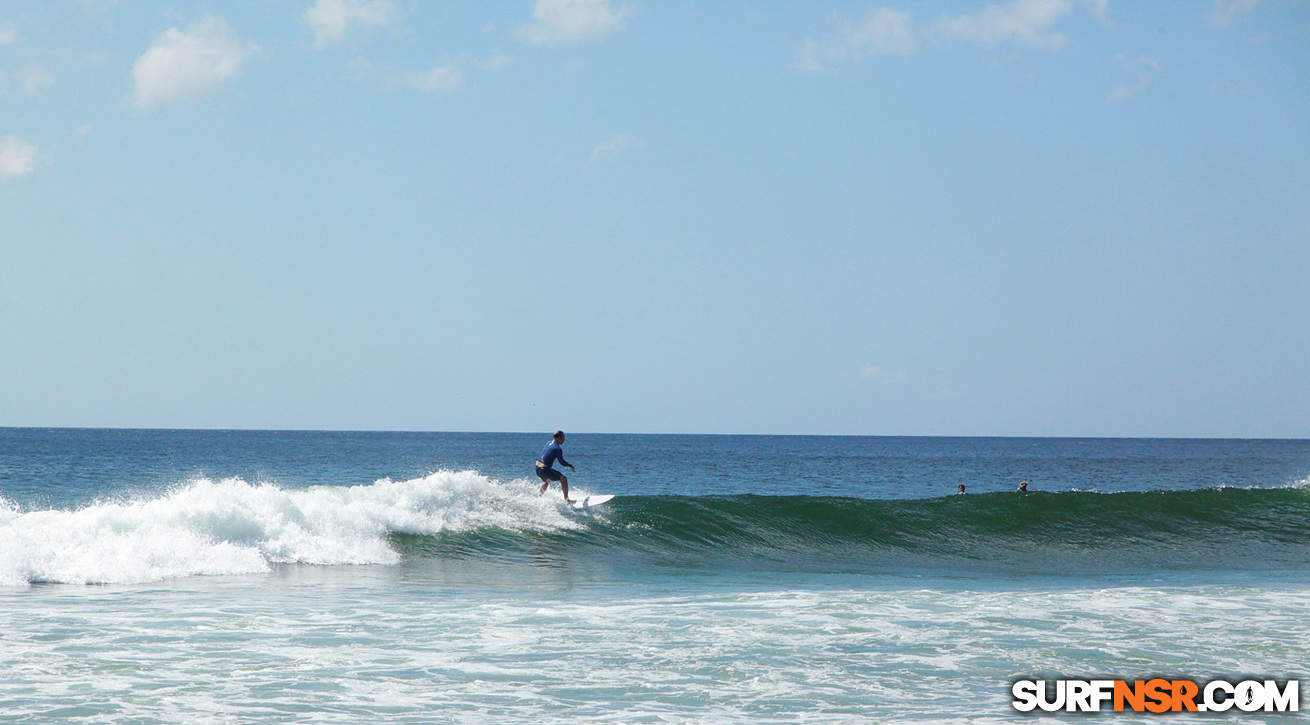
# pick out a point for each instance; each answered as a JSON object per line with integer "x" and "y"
{"x": 558, "y": 434}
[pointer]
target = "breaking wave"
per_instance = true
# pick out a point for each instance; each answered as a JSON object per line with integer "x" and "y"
{"x": 231, "y": 526}
{"x": 206, "y": 527}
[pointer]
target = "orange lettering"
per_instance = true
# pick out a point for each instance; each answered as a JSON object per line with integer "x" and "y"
{"x": 1135, "y": 695}
{"x": 1184, "y": 695}
{"x": 1160, "y": 696}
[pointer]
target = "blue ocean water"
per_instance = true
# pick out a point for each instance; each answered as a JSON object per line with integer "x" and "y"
{"x": 258, "y": 576}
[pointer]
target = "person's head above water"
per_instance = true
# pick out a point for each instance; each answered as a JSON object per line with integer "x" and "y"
{"x": 559, "y": 436}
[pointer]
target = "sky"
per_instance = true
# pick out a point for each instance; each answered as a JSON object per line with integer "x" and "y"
{"x": 1015, "y": 218}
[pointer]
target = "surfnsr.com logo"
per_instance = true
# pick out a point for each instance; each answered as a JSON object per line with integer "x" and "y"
{"x": 1157, "y": 695}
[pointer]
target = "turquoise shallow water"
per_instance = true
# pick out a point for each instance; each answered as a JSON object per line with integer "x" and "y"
{"x": 226, "y": 577}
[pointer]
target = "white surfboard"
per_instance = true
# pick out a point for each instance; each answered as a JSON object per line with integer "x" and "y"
{"x": 587, "y": 503}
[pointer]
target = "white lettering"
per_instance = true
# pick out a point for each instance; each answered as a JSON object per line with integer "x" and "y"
{"x": 1055, "y": 704}
{"x": 1285, "y": 701}
{"x": 1215, "y": 696}
{"x": 1104, "y": 692}
{"x": 1212, "y": 701}
{"x": 1079, "y": 696}
{"x": 1250, "y": 696}
{"x": 1025, "y": 695}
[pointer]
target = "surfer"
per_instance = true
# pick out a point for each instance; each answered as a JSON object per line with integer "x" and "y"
{"x": 960, "y": 489}
{"x": 545, "y": 471}
{"x": 1023, "y": 486}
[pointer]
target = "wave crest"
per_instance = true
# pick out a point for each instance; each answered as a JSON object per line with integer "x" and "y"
{"x": 231, "y": 526}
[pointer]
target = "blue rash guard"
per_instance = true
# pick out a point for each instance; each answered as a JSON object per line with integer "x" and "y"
{"x": 551, "y": 453}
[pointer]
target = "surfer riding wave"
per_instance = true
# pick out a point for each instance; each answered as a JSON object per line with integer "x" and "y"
{"x": 545, "y": 466}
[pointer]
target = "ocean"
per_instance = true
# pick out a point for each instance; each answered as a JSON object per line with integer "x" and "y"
{"x": 158, "y": 576}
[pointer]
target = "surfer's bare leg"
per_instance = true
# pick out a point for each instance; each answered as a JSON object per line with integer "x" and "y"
{"x": 564, "y": 488}
{"x": 544, "y": 486}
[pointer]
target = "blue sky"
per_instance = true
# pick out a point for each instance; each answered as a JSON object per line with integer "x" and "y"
{"x": 1033, "y": 217}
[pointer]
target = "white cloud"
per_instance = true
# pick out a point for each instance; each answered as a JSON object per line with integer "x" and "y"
{"x": 182, "y": 65}
{"x": 17, "y": 158}
{"x": 612, "y": 148}
{"x": 882, "y": 31}
{"x": 496, "y": 63}
{"x": 33, "y": 79}
{"x": 1144, "y": 70}
{"x": 564, "y": 22}
{"x": 888, "y": 31}
{"x": 442, "y": 78}
{"x": 882, "y": 377}
{"x": 332, "y": 19}
{"x": 1226, "y": 10}
{"x": 8, "y": 36}
{"x": 1021, "y": 21}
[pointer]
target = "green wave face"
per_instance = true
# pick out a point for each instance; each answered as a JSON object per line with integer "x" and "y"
{"x": 1028, "y": 533}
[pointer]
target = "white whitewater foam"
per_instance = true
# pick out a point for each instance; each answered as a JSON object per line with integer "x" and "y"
{"x": 234, "y": 527}
{"x": 885, "y": 651}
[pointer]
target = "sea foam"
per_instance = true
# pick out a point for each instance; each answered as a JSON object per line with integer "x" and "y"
{"x": 206, "y": 527}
